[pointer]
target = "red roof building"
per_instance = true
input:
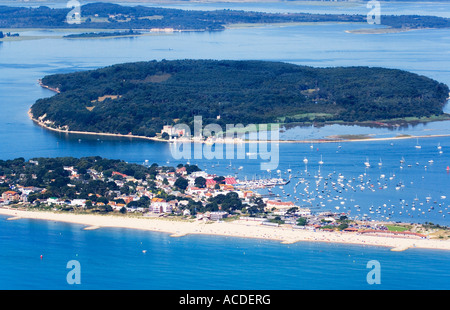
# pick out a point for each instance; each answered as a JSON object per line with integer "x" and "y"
{"x": 392, "y": 233}
{"x": 230, "y": 181}
{"x": 351, "y": 229}
{"x": 121, "y": 174}
{"x": 210, "y": 183}
{"x": 181, "y": 170}
{"x": 10, "y": 196}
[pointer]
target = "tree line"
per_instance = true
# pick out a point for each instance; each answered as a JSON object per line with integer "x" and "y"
{"x": 114, "y": 16}
{"x": 49, "y": 174}
{"x": 145, "y": 96}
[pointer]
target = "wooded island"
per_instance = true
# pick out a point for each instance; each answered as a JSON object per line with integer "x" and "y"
{"x": 140, "y": 98}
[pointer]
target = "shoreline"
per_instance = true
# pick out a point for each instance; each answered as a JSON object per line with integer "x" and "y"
{"x": 323, "y": 140}
{"x": 385, "y": 30}
{"x": 86, "y": 30}
{"x": 238, "y": 228}
{"x": 41, "y": 124}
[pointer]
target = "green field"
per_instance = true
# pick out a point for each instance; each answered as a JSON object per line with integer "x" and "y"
{"x": 397, "y": 228}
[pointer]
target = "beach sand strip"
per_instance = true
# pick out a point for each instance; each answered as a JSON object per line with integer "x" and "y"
{"x": 285, "y": 235}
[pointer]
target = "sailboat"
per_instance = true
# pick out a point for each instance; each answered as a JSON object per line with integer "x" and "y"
{"x": 367, "y": 163}
{"x": 305, "y": 160}
{"x": 321, "y": 161}
{"x": 417, "y": 145}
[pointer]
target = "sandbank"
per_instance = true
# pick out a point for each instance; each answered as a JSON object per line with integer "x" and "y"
{"x": 238, "y": 228}
{"x": 384, "y": 30}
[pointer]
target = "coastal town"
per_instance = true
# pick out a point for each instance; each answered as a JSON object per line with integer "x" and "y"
{"x": 184, "y": 192}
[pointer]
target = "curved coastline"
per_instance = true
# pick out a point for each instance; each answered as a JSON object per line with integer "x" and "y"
{"x": 238, "y": 229}
{"x": 43, "y": 125}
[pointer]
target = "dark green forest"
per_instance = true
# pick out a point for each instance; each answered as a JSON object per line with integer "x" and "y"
{"x": 144, "y": 96}
{"x": 114, "y": 16}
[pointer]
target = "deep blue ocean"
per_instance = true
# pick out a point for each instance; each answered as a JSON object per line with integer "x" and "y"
{"x": 114, "y": 258}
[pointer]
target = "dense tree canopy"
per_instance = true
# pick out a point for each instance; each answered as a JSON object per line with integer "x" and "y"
{"x": 140, "y": 98}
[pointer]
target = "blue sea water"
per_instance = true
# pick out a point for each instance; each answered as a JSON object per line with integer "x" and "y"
{"x": 113, "y": 258}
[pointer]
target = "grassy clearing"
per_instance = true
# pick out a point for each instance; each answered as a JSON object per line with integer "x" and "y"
{"x": 398, "y": 228}
{"x": 310, "y": 116}
{"x": 351, "y": 137}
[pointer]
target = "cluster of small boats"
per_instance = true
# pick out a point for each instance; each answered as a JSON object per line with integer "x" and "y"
{"x": 334, "y": 191}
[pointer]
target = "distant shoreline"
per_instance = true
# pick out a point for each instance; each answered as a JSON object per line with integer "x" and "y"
{"x": 59, "y": 37}
{"x": 158, "y": 33}
{"x": 324, "y": 140}
{"x": 238, "y": 228}
{"x": 384, "y": 30}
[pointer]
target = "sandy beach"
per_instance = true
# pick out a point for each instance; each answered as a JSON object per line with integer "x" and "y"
{"x": 239, "y": 228}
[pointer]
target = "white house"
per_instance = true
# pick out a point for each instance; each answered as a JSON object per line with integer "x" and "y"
{"x": 78, "y": 202}
{"x": 159, "y": 205}
{"x": 186, "y": 212}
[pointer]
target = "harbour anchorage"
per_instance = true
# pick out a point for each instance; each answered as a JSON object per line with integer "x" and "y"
{"x": 387, "y": 193}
